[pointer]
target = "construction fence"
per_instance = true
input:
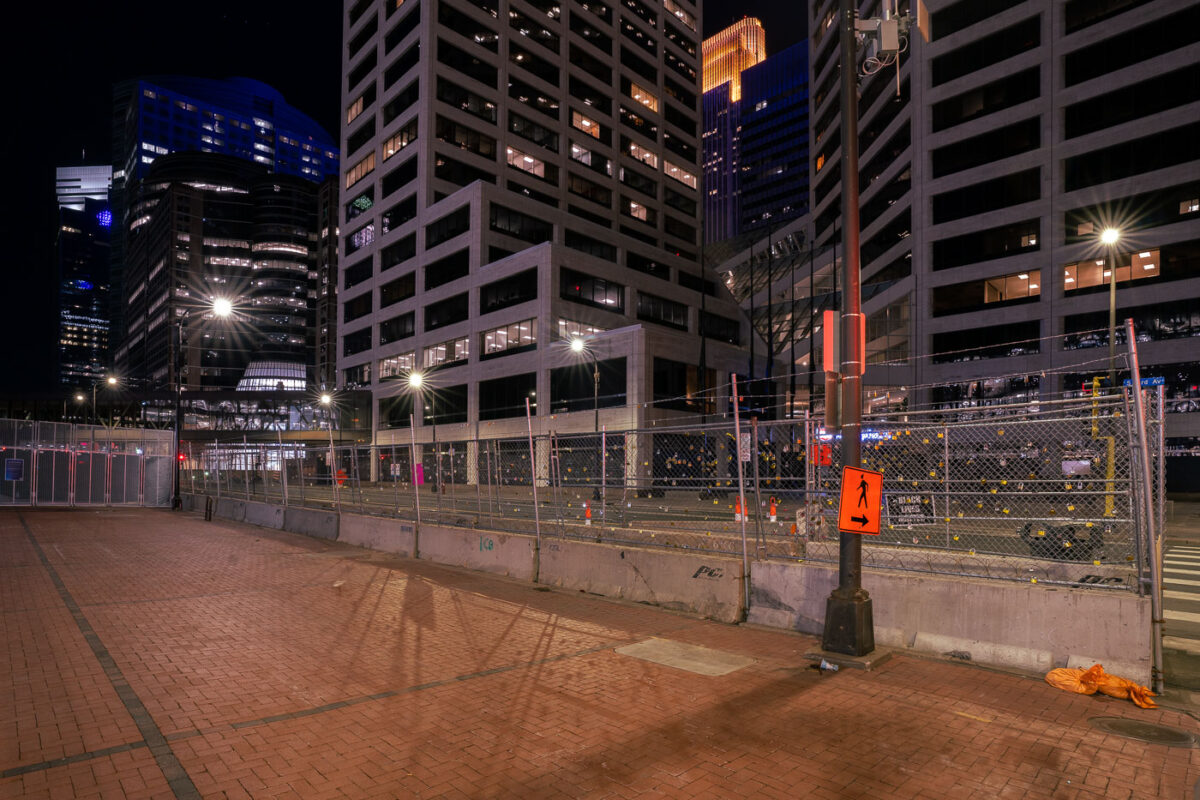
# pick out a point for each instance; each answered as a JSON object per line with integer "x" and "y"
{"x": 1048, "y": 492}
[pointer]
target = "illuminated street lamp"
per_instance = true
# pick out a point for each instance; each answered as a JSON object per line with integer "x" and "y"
{"x": 222, "y": 308}
{"x": 327, "y": 401}
{"x": 579, "y": 347}
{"x": 416, "y": 382}
{"x": 1109, "y": 238}
{"x": 111, "y": 381}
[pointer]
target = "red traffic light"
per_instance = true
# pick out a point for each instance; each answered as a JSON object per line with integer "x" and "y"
{"x": 181, "y": 457}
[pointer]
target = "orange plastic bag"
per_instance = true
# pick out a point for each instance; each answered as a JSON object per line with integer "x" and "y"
{"x": 1095, "y": 679}
{"x": 1080, "y": 681}
{"x": 1123, "y": 688}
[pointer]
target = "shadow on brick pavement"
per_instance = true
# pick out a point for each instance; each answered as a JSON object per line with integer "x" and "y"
{"x": 157, "y": 655}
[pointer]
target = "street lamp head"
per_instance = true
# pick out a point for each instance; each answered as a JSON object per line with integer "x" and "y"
{"x": 222, "y": 307}
{"x": 112, "y": 381}
{"x": 415, "y": 380}
{"x": 577, "y": 344}
{"x": 1109, "y": 236}
{"x": 79, "y": 398}
{"x": 326, "y": 399}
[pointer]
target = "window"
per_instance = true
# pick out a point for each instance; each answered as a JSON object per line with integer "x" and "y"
{"x": 360, "y": 238}
{"x": 450, "y": 18}
{"x": 528, "y": 129}
{"x": 356, "y": 342}
{"x": 685, "y": 96}
{"x": 505, "y": 397}
{"x": 634, "y": 34}
{"x": 398, "y": 366}
{"x": 641, "y": 153}
{"x": 974, "y": 296}
{"x": 682, "y": 387}
{"x": 364, "y": 134}
{"x": 641, "y": 183}
{"x": 685, "y": 150}
{"x": 590, "y": 33}
{"x": 361, "y": 203}
{"x": 679, "y": 229}
{"x": 448, "y": 268}
{"x": 354, "y": 274}
{"x": 398, "y": 252}
{"x": 680, "y": 40}
{"x": 592, "y": 65}
{"x": 681, "y": 14}
{"x": 1098, "y": 272}
{"x": 679, "y": 65}
{"x": 591, "y": 97}
{"x": 996, "y": 96}
{"x": 652, "y": 308}
{"x": 987, "y": 244}
{"x": 993, "y": 145}
{"x": 591, "y": 159}
{"x": 400, "y": 67}
{"x": 572, "y": 329}
{"x": 533, "y": 194}
{"x": 533, "y": 98}
{"x": 647, "y": 265}
{"x": 680, "y": 174}
{"x": 362, "y": 69}
{"x": 402, "y": 101}
{"x": 722, "y": 329}
{"x": 997, "y": 47}
{"x": 360, "y": 170}
{"x": 400, "y": 140}
{"x": 586, "y": 124}
{"x": 396, "y": 328}
{"x": 466, "y": 63}
{"x": 451, "y": 132}
{"x": 363, "y": 102}
{"x": 535, "y": 65}
{"x": 514, "y": 337}
{"x": 639, "y": 211}
{"x": 521, "y": 226}
{"x": 356, "y": 307}
{"x": 534, "y": 166}
{"x": 449, "y": 226}
{"x": 532, "y": 30}
{"x": 444, "y": 354}
{"x": 399, "y": 289}
{"x": 362, "y": 37}
{"x": 354, "y": 377}
{"x": 458, "y": 97}
{"x": 639, "y": 65}
{"x": 588, "y": 290}
{"x": 973, "y": 344}
{"x": 510, "y": 291}
{"x": 640, "y": 93}
{"x": 399, "y": 214}
{"x": 399, "y": 177}
{"x": 402, "y": 28}
{"x": 589, "y": 190}
{"x": 639, "y": 124}
{"x": 454, "y": 171}
{"x": 594, "y": 247}
{"x": 980, "y": 198}
{"x": 446, "y": 312}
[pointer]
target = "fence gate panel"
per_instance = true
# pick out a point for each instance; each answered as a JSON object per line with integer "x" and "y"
{"x": 16, "y": 492}
{"x": 87, "y": 465}
{"x": 53, "y": 470}
{"x": 123, "y": 481}
{"x": 160, "y": 480}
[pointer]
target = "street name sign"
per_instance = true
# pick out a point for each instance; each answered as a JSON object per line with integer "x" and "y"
{"x": 861, "y": 501}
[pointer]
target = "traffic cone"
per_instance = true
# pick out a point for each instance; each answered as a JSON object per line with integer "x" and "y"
{"x": 587, "y": 513}
{"x": 737, "y": 509}
{"x": 772, "y": 509}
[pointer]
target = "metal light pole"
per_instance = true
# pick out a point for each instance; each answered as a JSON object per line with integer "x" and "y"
{"x": 849, "y": 625}
{"x": 327, "y": 401}
{"x": 416, "y": 382}
{"x": 1109, "y": 238}
{"x": 220, "y": 308}
{"x": 111, "y": 381}
{"x": 579, "y": 346}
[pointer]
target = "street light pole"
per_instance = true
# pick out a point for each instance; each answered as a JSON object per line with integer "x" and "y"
{"x": 579, "y": 346}
{"x": 177, "y": 499}
{"x": 1109, "y": 237}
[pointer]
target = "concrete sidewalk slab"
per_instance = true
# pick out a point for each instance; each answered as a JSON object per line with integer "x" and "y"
{"x": 152, "y": 654}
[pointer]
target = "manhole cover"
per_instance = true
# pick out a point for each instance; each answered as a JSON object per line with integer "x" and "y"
{"x": 1144, "y": 731}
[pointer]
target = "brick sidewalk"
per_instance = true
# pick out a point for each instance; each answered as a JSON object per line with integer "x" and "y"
{"x": 156, "y": 655}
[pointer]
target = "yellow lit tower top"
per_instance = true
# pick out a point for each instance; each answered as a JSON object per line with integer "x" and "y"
{"x": 727, "y": 53}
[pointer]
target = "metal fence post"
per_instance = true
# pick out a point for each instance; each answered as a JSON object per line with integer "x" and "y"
{"x": 283, "y": 464}
{"x": 603, "y": 475}
{"x": 412, "y": 464}
{"x": 537, "y": 520}
{"x": 946, "y": 477}
{"x": 737, "y": 449}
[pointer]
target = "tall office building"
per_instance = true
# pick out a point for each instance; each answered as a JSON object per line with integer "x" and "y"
{"x": 325, "y": 286}
{"x": 82, "y": 263}
{"x": 239, "y": 117}
{"x": 518, "y": 173}
{"x": 205, "y": 227}
{"x": 725, "y": 56}
{"x": 989, "y": 166}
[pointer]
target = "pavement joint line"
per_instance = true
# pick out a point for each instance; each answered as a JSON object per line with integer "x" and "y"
{"x": 25, "y": 769}
{"x": 174, "y": 773}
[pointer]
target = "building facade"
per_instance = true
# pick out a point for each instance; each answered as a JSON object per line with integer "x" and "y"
{"x": 206, "y": 227}
{"x": 82, "y": 260}
{"x": 991, "y": 160}
{"x": 238, "y": 117}
{"x": 518, "y": 173}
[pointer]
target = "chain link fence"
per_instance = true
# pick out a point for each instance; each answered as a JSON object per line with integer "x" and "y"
{"x": 1041, "y": 492}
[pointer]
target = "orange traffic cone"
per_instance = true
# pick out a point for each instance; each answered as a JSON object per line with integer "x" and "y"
{"x": 587, "y": 513}
{"x": 772, "y": 509}
{"x": 737, "y": 509}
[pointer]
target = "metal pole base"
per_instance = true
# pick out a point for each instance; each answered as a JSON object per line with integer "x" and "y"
{"x": 849, "y": 627}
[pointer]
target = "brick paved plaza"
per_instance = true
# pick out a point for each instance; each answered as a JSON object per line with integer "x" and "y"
{"x": 152, "y": 654}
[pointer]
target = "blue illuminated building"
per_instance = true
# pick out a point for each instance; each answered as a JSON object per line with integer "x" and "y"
{"x": 239, "y": 117}
{"x": 82, "y": 254}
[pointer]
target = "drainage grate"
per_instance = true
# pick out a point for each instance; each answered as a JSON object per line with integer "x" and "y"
{"x": 1144, "y": 731}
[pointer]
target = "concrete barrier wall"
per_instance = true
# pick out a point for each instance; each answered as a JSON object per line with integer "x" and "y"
{"x": 707, "y": 585}
{"x": 488, "y": 551}
{"x": 377, "y": 533}
{"x": 230, "y": 509}
{"x": 1006, "y": 624}
{"x": 268, "y": 516}
{"x": 310, "y": 522}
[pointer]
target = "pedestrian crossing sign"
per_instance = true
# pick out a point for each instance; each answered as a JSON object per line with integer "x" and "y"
{"x": 861, "y": 503}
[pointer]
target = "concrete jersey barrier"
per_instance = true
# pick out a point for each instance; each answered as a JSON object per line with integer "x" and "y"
{"x": 487, "y": 551}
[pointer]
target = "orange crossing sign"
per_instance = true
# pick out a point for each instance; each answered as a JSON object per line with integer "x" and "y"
{"x": 861, "y": 504}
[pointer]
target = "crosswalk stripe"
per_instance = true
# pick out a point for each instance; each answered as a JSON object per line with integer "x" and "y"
{"x": 1179, "y": 643}
{"x": 1180, "y": 571}
{"x": 1193, "y": 596}
{"x": 1180, "y": 581}
{"x": 1183, "y": 556}
{"x": 1182, "y": 616}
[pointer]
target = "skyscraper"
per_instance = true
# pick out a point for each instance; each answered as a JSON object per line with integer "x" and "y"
{"x": 82, "y": 264}
{"x": 519, "y": 173}
{"x": 239, "y": 117}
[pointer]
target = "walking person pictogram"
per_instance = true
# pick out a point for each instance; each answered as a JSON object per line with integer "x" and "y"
{"x": 862, "y": 492}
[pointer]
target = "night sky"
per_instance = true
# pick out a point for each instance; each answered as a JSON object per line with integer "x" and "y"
{"x": 61, "y": 67}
